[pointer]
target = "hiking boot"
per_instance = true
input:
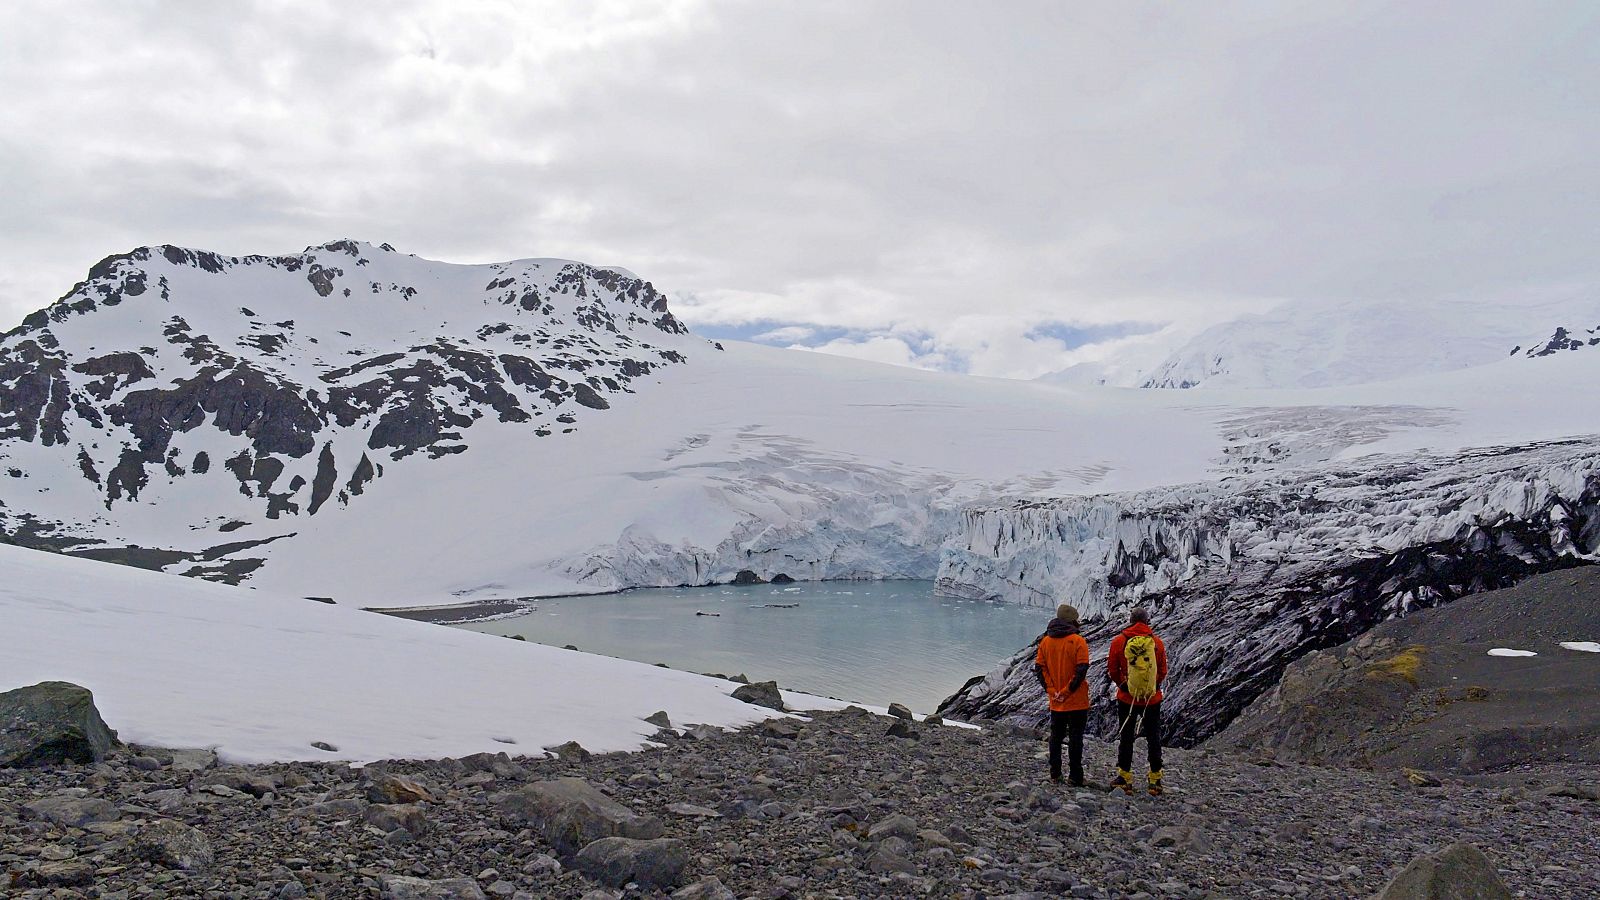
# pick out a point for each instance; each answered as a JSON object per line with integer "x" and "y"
{"x": 1155, "y": 784}
{"x": 1076, "y": 782}
{"x": 1123, "y": 782}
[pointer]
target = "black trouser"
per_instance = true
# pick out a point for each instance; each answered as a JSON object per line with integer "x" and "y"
{"x": 1062, "y": 725}
{"x": 1129, "y": 717}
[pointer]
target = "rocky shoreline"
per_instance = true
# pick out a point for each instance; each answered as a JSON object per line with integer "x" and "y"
{"x": 844, "y": 804}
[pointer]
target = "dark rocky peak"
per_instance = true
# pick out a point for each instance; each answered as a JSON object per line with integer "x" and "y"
{"x": 1561, "y": 340}
{"x": 561, "y": 292}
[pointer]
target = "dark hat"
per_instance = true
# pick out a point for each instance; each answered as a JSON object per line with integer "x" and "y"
{"x": 1066, "y": 612}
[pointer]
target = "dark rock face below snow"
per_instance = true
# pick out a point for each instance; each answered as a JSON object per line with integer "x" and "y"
{"x": 829, "y": 807}
{"x": 1562, "y": 339}
{"x": 1246, "y": 576}
{"x": 1423, "y": 691}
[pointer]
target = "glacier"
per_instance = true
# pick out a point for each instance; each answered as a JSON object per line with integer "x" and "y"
{"x": 1245, "y": 575}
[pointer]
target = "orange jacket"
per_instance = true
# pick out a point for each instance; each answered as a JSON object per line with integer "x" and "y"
{"x": 1117, "y": 662}
{"x": 1058, "y": 659}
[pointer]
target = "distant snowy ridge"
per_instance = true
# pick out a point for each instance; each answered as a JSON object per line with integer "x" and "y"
{"x": 1325, "y": 345}
{"x": 1246, "y": 575}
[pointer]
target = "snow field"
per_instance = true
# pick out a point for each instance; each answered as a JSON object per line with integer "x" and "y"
{"x": 178, "y": 662}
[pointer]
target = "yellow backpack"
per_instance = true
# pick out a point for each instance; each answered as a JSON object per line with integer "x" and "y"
{"x": 1141, "y": 654}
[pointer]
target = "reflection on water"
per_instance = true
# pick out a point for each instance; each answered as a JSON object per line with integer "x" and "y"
{"x": 873, "y": 642}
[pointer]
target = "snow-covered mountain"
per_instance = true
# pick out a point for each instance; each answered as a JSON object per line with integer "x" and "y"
{"x": 1328, "y": 345}
{"x": 200, "y": 392}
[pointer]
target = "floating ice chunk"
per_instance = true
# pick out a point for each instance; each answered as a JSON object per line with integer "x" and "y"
{"x": 1585, "y": 646}
{"x": 1506, "y": 651}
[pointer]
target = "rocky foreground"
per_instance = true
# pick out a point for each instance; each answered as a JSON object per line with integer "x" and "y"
{"x": 832, "y": 807}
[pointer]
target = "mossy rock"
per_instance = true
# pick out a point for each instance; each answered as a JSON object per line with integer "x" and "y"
{"x": 51, "y": 723}
{"x": 1403, "y": 665}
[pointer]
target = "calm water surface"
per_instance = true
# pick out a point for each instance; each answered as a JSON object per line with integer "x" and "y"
{"x": 873, "y": 642}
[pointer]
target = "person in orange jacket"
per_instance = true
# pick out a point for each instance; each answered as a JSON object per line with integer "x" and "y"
{"x": 1062, "y": 665}
{"x": 1137, "y": 665}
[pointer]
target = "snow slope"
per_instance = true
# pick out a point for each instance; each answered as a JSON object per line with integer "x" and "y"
{"x": 1323, "y": 345}
{"x": 180, "y": 662}
{"x": 861, "y": 471}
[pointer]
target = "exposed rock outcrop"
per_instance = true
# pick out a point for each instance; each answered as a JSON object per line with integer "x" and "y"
{"x": 1423, "y": 692}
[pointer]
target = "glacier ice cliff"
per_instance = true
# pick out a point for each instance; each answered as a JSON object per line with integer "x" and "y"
{"x": 1245, "y": 575}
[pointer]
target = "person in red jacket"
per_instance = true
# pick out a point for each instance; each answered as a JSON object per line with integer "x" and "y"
{"x": 1062, "y": 665}
{"x": 1137, "y": 665}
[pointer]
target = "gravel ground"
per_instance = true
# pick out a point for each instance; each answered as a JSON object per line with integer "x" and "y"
{"x": 792, "y": 809}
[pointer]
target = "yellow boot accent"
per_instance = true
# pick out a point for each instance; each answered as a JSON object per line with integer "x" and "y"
{"x": 1155, "y": 783}
{"x": 1124, "y": 780}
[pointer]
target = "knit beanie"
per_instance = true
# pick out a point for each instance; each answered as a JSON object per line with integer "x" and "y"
{"x": 1066, "y": 612}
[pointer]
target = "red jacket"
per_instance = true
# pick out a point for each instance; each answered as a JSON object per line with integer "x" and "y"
{"x": 1117, "y": 662}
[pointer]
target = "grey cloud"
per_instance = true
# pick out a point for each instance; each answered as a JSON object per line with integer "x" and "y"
{"x": 961, "y": 171}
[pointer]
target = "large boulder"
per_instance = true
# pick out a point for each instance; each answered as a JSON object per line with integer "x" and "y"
{"x": 52, "y": 722}
{"x": 762, "y": 693}
{"x": 404, "y": 887}
{"x": 389, "y": 816}
{"x": 175, "y": 845}
{"x": 616, "y": 861}
{"x": 1458, "y": 872}
{"x": 382, "y": 787}
{"x": 571, "y": 813}
{"x": 72, "y": 812}
{"x": 59, "y": 874}
{"x": 708, "y": 888}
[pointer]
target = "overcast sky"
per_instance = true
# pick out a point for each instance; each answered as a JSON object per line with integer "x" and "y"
{"x": 999, "y": 188}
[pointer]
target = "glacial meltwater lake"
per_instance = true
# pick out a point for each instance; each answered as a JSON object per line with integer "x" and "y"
{"x": 874, "y": 642}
